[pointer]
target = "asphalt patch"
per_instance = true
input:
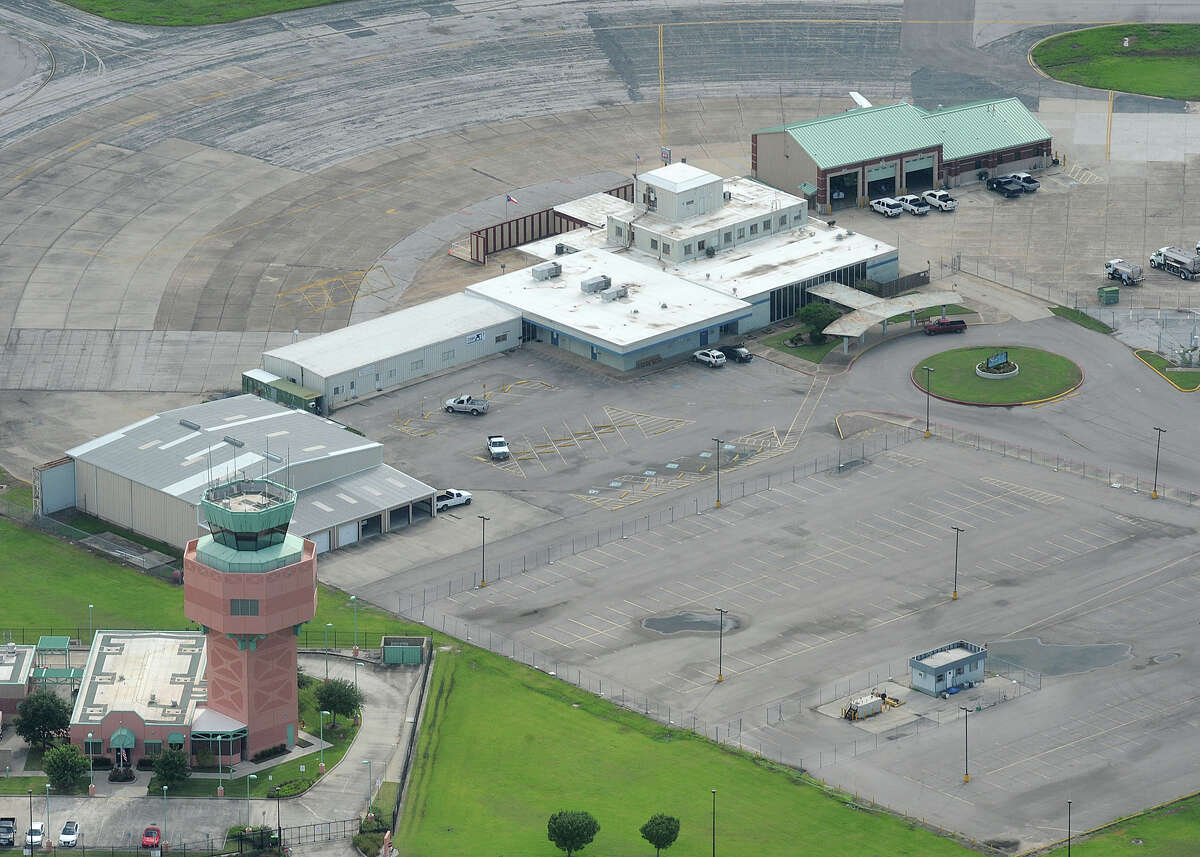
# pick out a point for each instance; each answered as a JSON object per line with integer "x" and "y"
{"x": 1054, "y": 659}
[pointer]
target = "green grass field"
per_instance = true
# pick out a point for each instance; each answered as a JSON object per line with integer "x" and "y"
{"x": 1042, "y": 375}
{"x": 1161, "y": 59}
{"x": 1080, "y": 318}
{"x": 503, "y": 746}
{"x": 1188, "y": 382}
{"x": 178, "y": 13}
{"x": 933, "y": 312}
{"x": 812, "y": 353}
{"x": 43, "y": 577}
{"x": 1172, "y": 831}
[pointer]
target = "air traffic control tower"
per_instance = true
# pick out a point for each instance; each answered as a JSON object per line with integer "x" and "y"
{"x": 250, "y": 585}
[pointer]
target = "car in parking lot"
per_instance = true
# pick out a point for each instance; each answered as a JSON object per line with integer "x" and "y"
{"x": 940, "y": 199}
{"x": 452, "y": 497}
{"x": 1005, "y": 186}
{"x": 913, "y": 204}
{"x": 69, "y": 837}
{"x": 709, "y": 357}
{"x": 37, "y": 832}
{"x": 151, "y": 837}
{"x": 738, "y": 352}
{"x": 887, "y": 206}
{"x": 1027, "y": 182}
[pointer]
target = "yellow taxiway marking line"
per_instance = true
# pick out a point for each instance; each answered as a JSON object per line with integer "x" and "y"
{"x": 368, "y": 59}
{"x": 214, "y": 95}
{"x": 287, "y": 76}
{"x": 139, "y": 120}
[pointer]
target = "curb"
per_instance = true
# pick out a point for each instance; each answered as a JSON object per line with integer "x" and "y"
{"x": 912, "y": 377}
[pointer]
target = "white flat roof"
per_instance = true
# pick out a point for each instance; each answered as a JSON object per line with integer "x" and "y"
{"x": 345, "y": 350}
{"x": 938, "y": 659}
{"x": 678, "y": 177}
{"x": 584, "y": 238}
{"x": 757, "y": 267}
{"x": 659, "y": 306}
{"x": 126, "y": 668}
{"x": 748, "y": 199}
{"x": 595, "y": 209}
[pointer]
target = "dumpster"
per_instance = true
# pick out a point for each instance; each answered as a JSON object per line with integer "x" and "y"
{"x": 1108, "y": 295}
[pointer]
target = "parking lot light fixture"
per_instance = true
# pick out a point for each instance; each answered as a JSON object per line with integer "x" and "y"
{"x": 1157, "y": 449}
{"x": 957, "y": 532}
{"x": 721, "y": 644}
{"x": 91, "y": 770}
{"x": 483, "y": 519}
{"x": 249, "y": 780}
{"x": 324, "y": 714}
{"x": 718, "y": 442}
{"x": 928, "y": 382}
{"x": 164, "y": 821}
{"x": 354, "y": 604}
{"x": 1068, "y": 828}
{"x": 328, "y": 625}
{"x": 966, "y": 766}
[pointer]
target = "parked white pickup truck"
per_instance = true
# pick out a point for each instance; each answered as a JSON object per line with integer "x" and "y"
{"x": 497, "y": 447}
{"x": 467, "y": 405}
{"x": 887, "y": 206}
{"x": 452, "y": 497}
{"x": 913, "y": 204}
{"x": 940, "y": 199}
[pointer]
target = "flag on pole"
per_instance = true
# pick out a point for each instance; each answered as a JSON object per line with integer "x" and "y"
{"x": 508, "y": 198}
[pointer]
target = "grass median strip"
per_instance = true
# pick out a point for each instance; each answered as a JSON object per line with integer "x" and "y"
{"x": 1081, "y": 318}
{"x": 1150, "y": 59}
{"x": 1186, "y": 380}
{"x": 180, "y": 13}
{"x": 812, "y": 353}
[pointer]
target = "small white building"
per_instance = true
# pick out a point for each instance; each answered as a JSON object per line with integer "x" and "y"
{"x": 952, "y": 666}
{"x": 394, "y": 349}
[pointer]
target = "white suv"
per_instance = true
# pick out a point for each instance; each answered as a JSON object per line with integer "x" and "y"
{"x": 709, "y": 357}
{"x": 887, "y": 206}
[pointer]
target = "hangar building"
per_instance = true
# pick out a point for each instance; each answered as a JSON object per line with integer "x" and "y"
{"x": 149, "y": 476}
{"x": 848, "y": 158}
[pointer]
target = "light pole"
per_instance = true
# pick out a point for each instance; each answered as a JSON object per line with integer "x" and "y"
{"x": 91, "y": 770}
{"x": 91, "y": 623}
{"x": 1157, "y": 448}
{"x": 354, "y": 604}
{"x": 328, "y": 625}
{"x": 248, "y": 781}
{"x": 714, "y": 820}
{"x": 30, "y": 815}
{"x": 278, "y": 822}
{"x": 966, "y": 768}
{"x": 370, "y": 782}
{"x": 721, "y": 644}
{"x": 164, "y": 827}
{"x": 47, "y": 833}
{"x": 483, "y": 519}
{"x": 356, "y": 666}
{"x": 928, "y": 381}
{"x": 718, "y": 442}
{"x": 324, "y": 714}
{"x": 957, "y": 531}
{"x": 1068, "y": 829}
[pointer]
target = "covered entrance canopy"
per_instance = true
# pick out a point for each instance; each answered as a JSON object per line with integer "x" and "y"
{"x": 869, "y": 310}
{"x": 123, "y": 739}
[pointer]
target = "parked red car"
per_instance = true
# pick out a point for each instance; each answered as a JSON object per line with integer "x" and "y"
{"x": 151, "y": 837}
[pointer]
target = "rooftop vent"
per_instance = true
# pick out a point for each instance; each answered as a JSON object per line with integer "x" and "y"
{"x": 547, "y": 271}
{"x": 189, "y": 424}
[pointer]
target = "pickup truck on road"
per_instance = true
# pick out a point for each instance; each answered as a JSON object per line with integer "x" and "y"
{"x": 452, "y": 497}
{"x": 497, "y": 447}
{"x": 887, "y": 206}
{"x": 467, "y": 405}
{"x": 941, "y": 199}
{"x": 945, "y": 325}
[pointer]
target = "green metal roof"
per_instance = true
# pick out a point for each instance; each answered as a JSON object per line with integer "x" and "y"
{"x": 806, "y": 188}
{"x": 874, "y": 133}
{"x": 269, "y": 558}
{"x": 53, "y": 644}
{"x": 296, "y": 390}
{"x": 984, "y": 126}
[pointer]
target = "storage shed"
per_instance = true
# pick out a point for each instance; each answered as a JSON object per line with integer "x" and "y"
{"x": 396, "y": 348}
{"x": 948, "y": 668}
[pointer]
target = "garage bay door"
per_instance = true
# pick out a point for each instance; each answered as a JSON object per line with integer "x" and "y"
{"x": 347, "y": 534}
{"x": 918, "y": 173}
{"x": 321, "y": 540}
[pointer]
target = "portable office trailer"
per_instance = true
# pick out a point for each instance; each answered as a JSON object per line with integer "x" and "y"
{"x": 397, "y": 348}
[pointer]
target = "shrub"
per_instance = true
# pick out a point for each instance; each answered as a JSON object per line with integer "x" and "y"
{"x": 146, "y": 763}
{"x": 269, "y": 753}
{"x": 369, "y": 843}
{"x": 121, "y": 775}
{"x": 102, "y": 763}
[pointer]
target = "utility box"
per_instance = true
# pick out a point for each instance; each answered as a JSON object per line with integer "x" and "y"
{"x": 1108, "y": 295}
{"x": 595, "y": 284}
{"x": 404, "y": 650}
{"x": 547, "y": 271}
{"x": 863, "y": 707}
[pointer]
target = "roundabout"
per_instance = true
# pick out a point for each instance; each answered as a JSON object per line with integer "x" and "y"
{"x": 1025, "y": 377}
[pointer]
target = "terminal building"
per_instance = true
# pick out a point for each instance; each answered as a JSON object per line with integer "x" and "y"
{"x": 230, "y": 690}
{"x": 693, "y": 260}
{"x": 848, "y": 158}
{"x": 151, "y": 475}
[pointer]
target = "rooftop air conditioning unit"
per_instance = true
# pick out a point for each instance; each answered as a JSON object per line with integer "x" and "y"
{"x": 614, "y": 293}
{"x": 728, "y": 196}
{"x": 710, "y": 251}
{"x": 841, "y": 236}
{"x": 547, "y": 271}
{"x": 560, "y": 248}
{"x": 595, "y": 284}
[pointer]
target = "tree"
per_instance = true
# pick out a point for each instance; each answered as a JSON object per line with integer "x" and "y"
{"x": 660, "y": 831}
{"x": 171, "y": 768}
{"x": 816, "y": 317}
{"x": 42, "y": 717}
{"x": 338, "y": 696}
{"x": 64, "y": 765}
{"x": 571, "y": 830}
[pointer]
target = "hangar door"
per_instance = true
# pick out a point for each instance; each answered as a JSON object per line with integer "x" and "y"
{"x": 918, "y": 173}
{"x": 321, "y": 540}
{"x": 881, "y": 180}
{"x": 347, "y": 534}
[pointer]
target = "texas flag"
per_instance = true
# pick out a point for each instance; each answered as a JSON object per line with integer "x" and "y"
{"x": 508, "y": 198}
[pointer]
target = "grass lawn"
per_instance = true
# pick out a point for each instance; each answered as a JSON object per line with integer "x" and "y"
{"x": 176, "y": 13}
{"x": 813, "y": 353}
{"x": 22, "y": 785}
{"x": 933, "y": 312}
{"x": 19, "y": 492}
{"x": 1168, "y": 832}
{"x": 1081, "y": 318}
{"x": 1042, "y": 375}
{"x": 1186, "y": 380}
{"x": 490, "y": 720}
{"x": 50, "y": 582}
{"x": 1161, "y": 59}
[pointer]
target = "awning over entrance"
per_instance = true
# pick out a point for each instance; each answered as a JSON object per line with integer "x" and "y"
{"x": 176, "y": 738}
{"x": 123, "y": 738}
{"x": 870, "y": 310}
{"x": 211, "y": 725}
